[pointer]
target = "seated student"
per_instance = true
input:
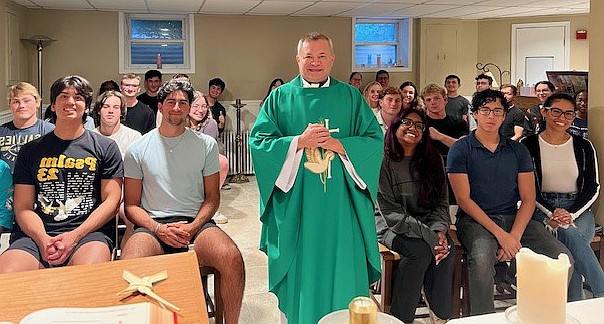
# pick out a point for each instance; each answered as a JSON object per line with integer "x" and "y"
{"x": 371, "y": 93}
{"x": 414, "y": 218}
{"x": 172, "y": 191}
{"x": 356, "y": 80}
{"x": 579, "y": 125}
{"x": 567, "y": 185}
{"x": 390, "y": 102}
{"x": 110, "y": 110}
{"x": 109, "y": 85}
{"x": 276, "y": 83}
{"x": 67, "y": 189}
{"x": 201, "y": 122}
{"x": 489, "y": 174}
{"x": 411, "y": 99}
{"x": 23, "y": 101}
{"x": 533, "y": 121}
{"x": 7, "y": 216}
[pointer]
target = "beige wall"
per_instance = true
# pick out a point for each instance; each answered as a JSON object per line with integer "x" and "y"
{"x": 249, "y": 51}
{"x": 86, "y": 45}
{"x": 497, "y": 49}
{"x": 20, "y": 50}
{"x": 596, "y": 97}
{"x": 246, "y": 52}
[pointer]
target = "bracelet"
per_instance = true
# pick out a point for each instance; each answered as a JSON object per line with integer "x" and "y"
{"x": 157, "y": 228}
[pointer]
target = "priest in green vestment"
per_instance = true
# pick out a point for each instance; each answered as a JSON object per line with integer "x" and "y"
{"x": 317, "y": 149}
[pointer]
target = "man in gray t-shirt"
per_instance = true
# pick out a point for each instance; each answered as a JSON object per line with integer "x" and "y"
{"x": 457, "y": 106}
{"x": 171, "y": 192}
{"x": 23, "y": 101}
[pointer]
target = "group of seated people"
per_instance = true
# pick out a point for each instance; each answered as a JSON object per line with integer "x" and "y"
{"x": 513, "y": 190}
{"x": 70, "y": 183}
{"x": 165, "y": 182}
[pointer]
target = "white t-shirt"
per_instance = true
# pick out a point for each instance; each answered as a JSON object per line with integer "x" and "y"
{"x": 172, "y": 171}
{"x": 123, "y": 137}
{"x": 558, "y": 167}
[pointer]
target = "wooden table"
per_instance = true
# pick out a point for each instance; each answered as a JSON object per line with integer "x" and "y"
{"x": 96, "y": 285}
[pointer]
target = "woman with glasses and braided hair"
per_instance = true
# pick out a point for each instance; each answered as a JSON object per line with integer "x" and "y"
{"x": 567, "y": 184}
{"x": 414, "y": 218}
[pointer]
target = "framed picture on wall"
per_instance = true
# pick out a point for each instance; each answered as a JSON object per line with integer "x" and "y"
{"x": 569, "y": 82}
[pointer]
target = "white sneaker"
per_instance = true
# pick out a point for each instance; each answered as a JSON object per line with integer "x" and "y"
{"x": 435, "y": 319}
{"x": 226, "y": 186}
{"x": 219, "y": 218}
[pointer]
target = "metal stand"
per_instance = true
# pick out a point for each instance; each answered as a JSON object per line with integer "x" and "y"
{"x": 239, "y": 177}
{"x": 40, "y": 41}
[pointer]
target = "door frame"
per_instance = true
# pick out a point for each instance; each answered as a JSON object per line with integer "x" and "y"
{"x": 516, "y": 27}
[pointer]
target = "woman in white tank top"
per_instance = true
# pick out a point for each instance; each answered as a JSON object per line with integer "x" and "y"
{"x": 567, "y": 185}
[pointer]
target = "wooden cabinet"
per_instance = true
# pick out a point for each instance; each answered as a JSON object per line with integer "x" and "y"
{"x": 441, "y": 55}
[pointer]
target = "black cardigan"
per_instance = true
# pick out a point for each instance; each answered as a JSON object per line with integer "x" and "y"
{"x": 587, "y": 182}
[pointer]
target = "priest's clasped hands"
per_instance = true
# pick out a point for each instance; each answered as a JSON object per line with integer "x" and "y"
{"x": 316, "y": 135}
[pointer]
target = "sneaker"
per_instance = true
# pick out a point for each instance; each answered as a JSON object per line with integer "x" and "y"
{"x": 219, "y": 218}
{"x": 435, "y": 319}
{"x": 226, "y": 186}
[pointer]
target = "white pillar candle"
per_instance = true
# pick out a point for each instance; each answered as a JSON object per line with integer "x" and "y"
{"x": 542, "y": 286}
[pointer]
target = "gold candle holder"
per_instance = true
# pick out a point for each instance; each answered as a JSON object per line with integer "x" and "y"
{"x": 362, "y": 310}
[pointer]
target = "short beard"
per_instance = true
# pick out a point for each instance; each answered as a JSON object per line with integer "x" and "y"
{"x": 178, "y": 122}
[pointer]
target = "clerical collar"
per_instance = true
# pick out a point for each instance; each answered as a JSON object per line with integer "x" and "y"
{"x": 306, "y": 84}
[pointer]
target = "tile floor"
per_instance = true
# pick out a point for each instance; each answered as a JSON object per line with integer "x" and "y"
{"x": 240, "y": 204}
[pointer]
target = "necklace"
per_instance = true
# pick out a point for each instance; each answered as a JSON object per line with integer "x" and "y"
{"x": 172, "y": 139}
{"x": 553, "y": 140}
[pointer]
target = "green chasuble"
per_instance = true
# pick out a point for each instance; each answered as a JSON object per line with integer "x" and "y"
{"x": 320, "y": 240}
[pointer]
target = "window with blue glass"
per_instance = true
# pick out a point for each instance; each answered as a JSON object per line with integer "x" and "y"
{"x": 382, "y": 44}
{"x": 157, "y": 41}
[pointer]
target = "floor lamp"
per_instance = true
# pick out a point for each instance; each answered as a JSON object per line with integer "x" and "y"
{"x": 40, "y": 41}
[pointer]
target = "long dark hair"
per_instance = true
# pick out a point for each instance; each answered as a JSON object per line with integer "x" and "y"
{"x": 414, "y": 103}
{"x": 270, "y": 87}
{"x": 426, "y": 164}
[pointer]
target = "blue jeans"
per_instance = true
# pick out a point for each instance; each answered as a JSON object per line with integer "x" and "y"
{"x": 578, "y": 241}
{"x": 482, "y": 246}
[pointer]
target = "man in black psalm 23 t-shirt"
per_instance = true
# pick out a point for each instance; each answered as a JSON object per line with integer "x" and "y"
{"x": 67, "y": 189}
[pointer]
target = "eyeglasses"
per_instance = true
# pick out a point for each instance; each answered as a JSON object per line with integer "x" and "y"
{"x": 418, "y": 125}
{"x": 487, "y": 111}
{"x": 557, "y": 112}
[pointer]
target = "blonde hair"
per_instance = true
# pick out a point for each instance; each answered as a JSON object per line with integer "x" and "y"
{"x": 369, "y": 85}
{"x": 22, "y": 88}
{"x": 434, "y": 89}
{"x": 130, "y": 76}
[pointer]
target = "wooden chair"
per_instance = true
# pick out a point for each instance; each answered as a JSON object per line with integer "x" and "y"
{"x": 389, "y": 261}
{"x": 215, "y": 309}
{"x": 382, "y": 293}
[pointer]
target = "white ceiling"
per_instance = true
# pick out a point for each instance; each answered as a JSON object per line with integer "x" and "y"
{"x": 464, "y": 9}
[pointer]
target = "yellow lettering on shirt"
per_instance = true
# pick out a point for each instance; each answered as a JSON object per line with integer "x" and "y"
{"x": 49, "y": 166}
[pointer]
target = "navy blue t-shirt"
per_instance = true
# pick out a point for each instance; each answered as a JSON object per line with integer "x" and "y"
{"x": 493, "y": 176}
